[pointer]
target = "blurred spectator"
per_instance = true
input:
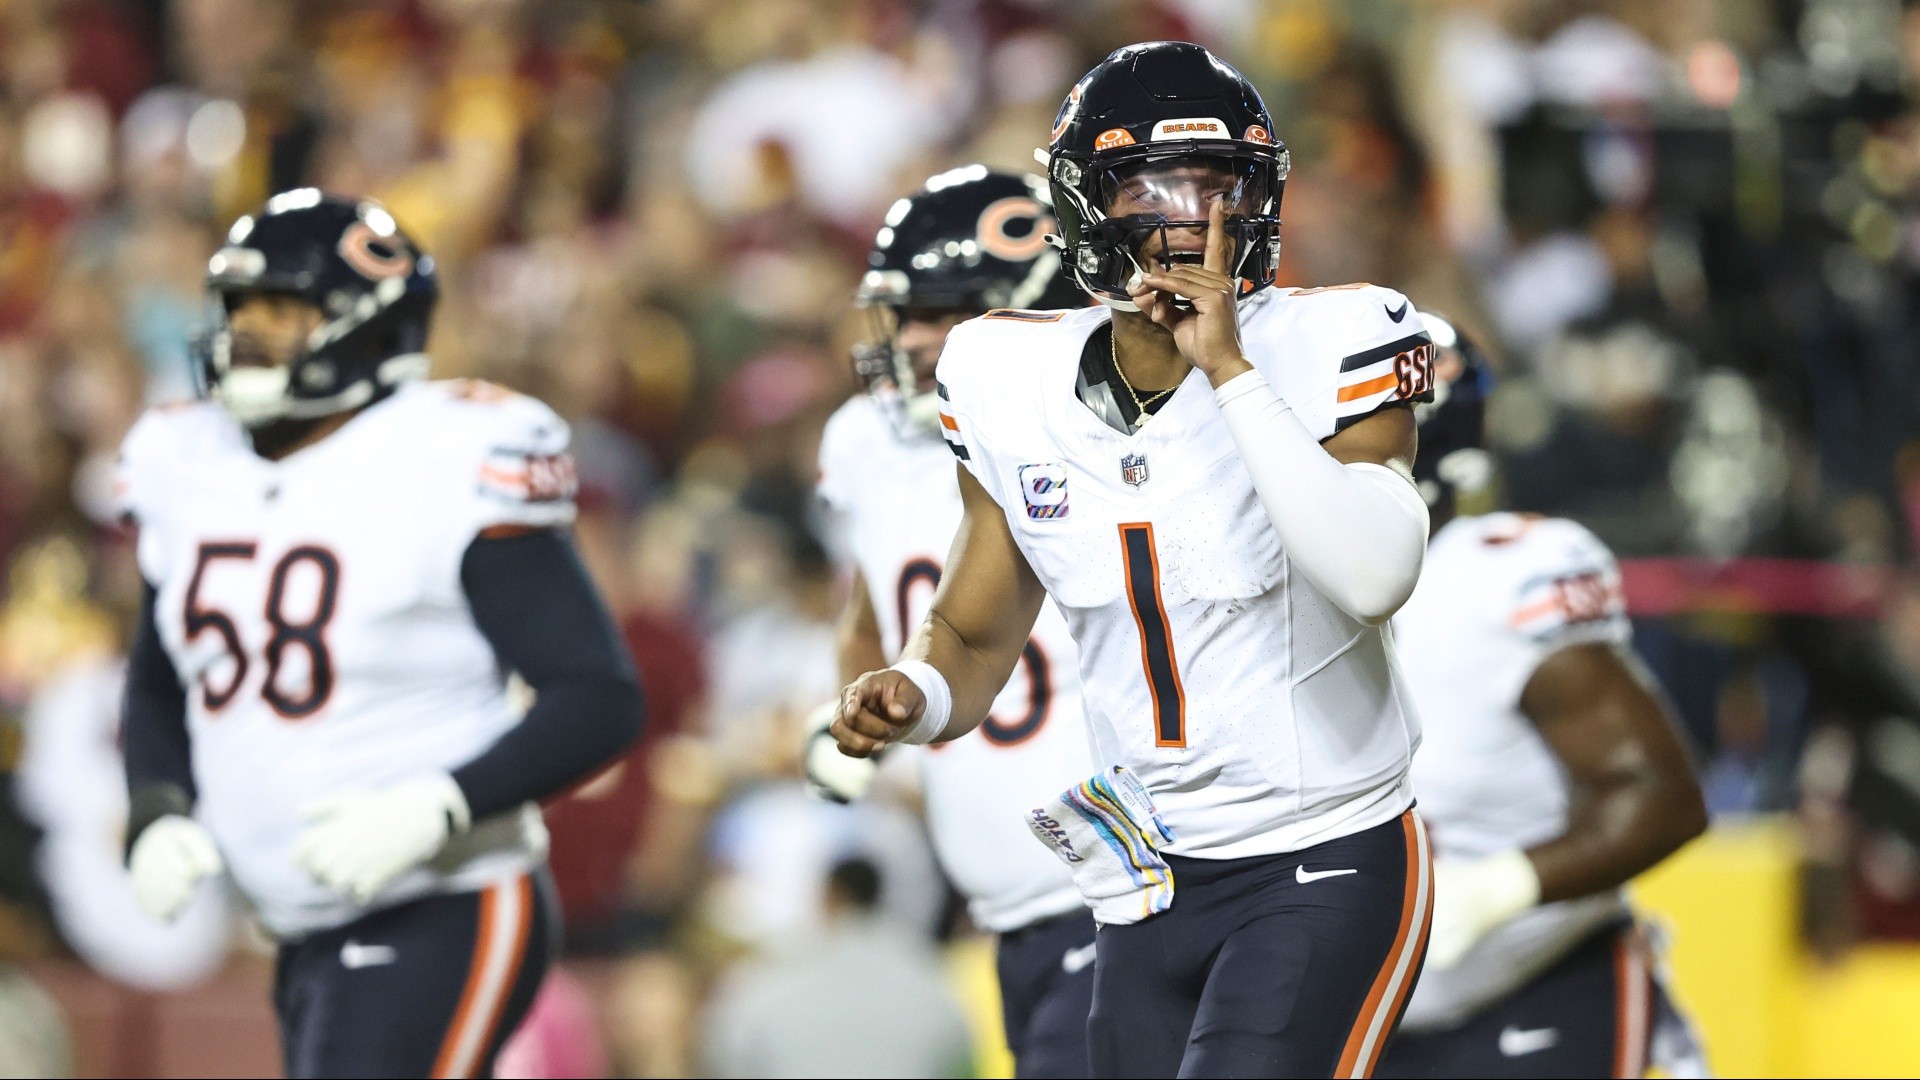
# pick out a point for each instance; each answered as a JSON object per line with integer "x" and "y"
{"x": 785, "y": 1015}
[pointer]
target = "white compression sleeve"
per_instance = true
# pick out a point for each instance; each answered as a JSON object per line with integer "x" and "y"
{"x": 1358, "y": 532}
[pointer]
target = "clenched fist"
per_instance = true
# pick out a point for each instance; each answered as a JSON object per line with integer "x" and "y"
{"x": 875, "y": 711}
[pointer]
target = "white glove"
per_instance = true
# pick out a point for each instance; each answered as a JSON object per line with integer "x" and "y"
{"x": 1472, "y": 896}
{"x": 359, "y": 841}
{"x": 831, "y": 774}
{"x": 168, "y": 860}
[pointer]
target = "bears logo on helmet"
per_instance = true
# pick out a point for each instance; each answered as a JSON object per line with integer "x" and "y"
{"x": 973, "y": 239}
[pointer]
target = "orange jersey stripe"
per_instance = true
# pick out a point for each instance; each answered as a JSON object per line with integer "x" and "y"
{"x": 1368, "y": 388}
{"x": 947, "y": 422}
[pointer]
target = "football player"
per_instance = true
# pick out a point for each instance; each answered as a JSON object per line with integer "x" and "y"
{"x": 972, "y": 240}
{"x": 1551, "y": 773}
{"x": 343, "y": 562}
{"x": 1210, "y": 478}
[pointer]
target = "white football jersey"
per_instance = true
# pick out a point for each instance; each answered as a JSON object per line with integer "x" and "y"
{"x": 1499, "y": 595}
{"x": 901, "y": 507}
{"x": 313, "y": 609}
{"x": 1260, "y": 716}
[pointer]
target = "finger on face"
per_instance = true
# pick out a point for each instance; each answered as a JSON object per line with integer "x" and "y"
{"x": 1144, "y": 296}
{"x": 1215, "y": 258}
{"x": 1193, "y": 286}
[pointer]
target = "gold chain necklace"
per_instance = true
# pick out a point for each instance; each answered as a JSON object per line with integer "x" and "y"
{"x": 1113, "y": 351}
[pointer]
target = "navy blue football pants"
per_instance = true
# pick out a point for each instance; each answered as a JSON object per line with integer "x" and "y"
{"x": 1590, "y": 1014}
{"x": 1280, "y": 965}
{"x": 1046, "y": 992}
{"x": 432, "y": 987}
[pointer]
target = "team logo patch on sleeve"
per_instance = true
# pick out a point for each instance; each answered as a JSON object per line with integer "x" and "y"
{"x": 516, "y": 475}
{"x": 1397, "y": 371}
{"x": 1562, "y": 603}
{"x": 1044, "y": 489}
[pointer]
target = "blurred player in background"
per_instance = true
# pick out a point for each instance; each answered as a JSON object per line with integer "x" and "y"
{"x": 343, "y": 562}
{"x": 1211, "y": 478}
{"x": 972, "y": 240}
{"x": 1550, "y": 774}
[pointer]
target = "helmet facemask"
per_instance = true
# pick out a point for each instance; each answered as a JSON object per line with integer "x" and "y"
{"x": 890, "y": 370}
{"x": 1143, "y": 209}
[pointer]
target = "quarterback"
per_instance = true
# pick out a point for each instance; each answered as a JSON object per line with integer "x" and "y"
{"x": 1210, "y": 478}
{"x": 1551, "y": 773}
{"x": 970, "y": 241}
{"x": 343, "y": 563}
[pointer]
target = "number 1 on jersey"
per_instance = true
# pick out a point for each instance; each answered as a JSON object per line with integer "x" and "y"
{"x": 1156, "y": 634}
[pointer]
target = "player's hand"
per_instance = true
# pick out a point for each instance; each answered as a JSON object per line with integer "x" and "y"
{"x": 876, "y": 710}
{"x": 1207, "y": 333}
{"x": 1472, "y": 896}
{"x": 168, "y": 860}
{"x": 359, "y": 841}
{"x": 831, "y": 774}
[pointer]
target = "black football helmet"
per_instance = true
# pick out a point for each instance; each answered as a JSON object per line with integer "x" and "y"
{"x": 349, "y": 259}
{"x": 1144, "y": 143}
{"x": 1453, "y": 426}
{"x": 973, "y": 239}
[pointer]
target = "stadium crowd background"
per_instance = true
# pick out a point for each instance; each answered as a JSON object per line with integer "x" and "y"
{"x": 1686, "y": 230}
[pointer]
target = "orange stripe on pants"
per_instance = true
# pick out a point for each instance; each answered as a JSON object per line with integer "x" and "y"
{"x": 506, "y": 917}
{"x": 1633, "y": 1004}
{"x": 1388, "y": 996}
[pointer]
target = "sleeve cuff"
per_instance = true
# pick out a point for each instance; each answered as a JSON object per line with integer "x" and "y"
{"x": 1241, "y": 385}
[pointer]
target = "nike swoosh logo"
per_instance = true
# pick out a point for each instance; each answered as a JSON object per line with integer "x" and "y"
{"x": 354, "y": 955}
{"x": 1303, "y": 875}
{"x": 1396, "y": 316}
{"x": 1074, "y": 961}
{"x": 1518, "y": 1042}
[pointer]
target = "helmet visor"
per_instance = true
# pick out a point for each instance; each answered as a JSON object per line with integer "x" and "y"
{"x": 1185, "y": 188}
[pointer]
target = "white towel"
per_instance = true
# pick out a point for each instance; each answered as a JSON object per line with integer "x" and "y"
{"x": 1108, "y": 833}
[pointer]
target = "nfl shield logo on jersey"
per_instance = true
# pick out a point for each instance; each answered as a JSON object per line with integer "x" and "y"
{"x": 1133, "y": 469}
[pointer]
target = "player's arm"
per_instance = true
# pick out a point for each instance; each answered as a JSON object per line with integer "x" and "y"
{"x": 965, "y": 651}
{"x": 533, "y": 602}
{"x": 857, "y": 637}
{"x": 167, "y": 851}
{"x": 1346, "y": 510}
{"x": 830, "y": 774}
{"x": 536, "y": 606}
{"x": 1635, "y": 800}
{"x": 154, "y": 738}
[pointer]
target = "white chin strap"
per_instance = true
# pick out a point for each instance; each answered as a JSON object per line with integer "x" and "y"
{"x": 255, "y": 396}
{"x": 258, "y": 396}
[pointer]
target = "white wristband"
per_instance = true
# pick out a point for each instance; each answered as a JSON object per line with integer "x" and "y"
{"x": 933, "y": 686}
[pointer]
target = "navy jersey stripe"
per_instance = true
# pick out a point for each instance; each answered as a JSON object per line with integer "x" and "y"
{"x": 1385, "y": 352}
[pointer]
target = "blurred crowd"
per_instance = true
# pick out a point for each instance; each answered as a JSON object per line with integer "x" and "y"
{"x": 1688, "y": 231}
